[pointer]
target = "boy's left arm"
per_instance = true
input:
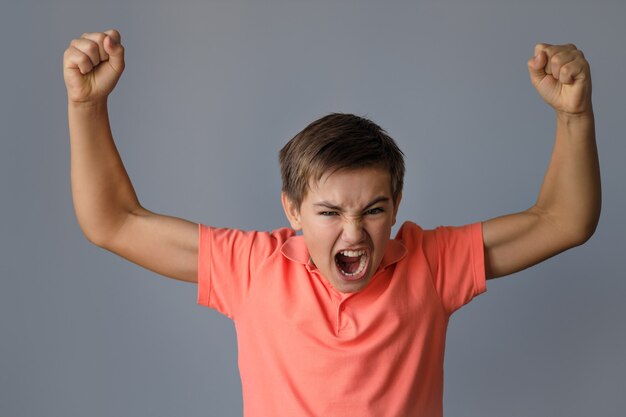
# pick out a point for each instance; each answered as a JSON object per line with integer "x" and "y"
{"x": 568, "y": 206}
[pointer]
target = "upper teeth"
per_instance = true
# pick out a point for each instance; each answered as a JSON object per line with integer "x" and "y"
{"x": 352, "y": 253}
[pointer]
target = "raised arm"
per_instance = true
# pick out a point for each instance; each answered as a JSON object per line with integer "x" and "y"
{"x": 568, "y": 206}
{"x": 106, "y": 205}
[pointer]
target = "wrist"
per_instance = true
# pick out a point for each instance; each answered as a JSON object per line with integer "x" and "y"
{"x": 575, "y": 128}
{"x": 568, "y": 119}
{"x": 91, "y": 106}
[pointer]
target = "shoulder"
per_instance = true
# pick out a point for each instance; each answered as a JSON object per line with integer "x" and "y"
{"x": 243, "y": 240}
{"x": 410, "y": 231}
{"x": 441, "y": 239}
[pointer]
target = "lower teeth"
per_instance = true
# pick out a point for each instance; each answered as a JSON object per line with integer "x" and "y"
{"x": 362, "y": 263}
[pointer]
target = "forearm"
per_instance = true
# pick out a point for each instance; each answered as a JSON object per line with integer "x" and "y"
{"x": 568, "y": 206}
{"x": 102, "y": 192}
{"x": 571, "y": 193}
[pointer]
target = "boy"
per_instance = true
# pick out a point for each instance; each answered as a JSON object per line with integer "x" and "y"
{"x": 341, "y": 320}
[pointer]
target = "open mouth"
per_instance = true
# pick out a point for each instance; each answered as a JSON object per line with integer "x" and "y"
{"x": 352, "y": 264}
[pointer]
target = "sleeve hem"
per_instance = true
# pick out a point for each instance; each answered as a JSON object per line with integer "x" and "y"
{"x": 478, "y": 259}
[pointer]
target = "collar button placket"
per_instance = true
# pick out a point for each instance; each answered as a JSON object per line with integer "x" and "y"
{"x": 339, "y": 310}
{"x": 342, "y": 320}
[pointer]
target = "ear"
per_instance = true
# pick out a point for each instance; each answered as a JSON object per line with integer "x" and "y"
{"x": 291, "y": 211}
{"x": 396, "y": 205}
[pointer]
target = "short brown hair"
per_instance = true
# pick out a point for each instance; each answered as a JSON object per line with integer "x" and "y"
{"x": 334, "y": 142}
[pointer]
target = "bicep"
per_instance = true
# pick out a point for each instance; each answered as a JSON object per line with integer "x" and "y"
{"x": 517, "y": 241}
{"x": 163, "y": 244}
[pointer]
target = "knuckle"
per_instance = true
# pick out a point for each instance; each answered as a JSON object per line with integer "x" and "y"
{"x": 82, "y": 59}
{"x": 92, "y": 47}
{"x": 558, "y": 59}
{"x": 540, "y": 47}
{"x": 99, "y": 37}
{"x": 114, "y": 34}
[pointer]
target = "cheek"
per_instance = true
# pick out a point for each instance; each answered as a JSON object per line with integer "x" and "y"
{"x": 380, "y": 226}
{"x": 325, "y": 238}
{"x": 324, "y": 227}
{"x": 380, "y": 232}
{"x": 322, "y": 239}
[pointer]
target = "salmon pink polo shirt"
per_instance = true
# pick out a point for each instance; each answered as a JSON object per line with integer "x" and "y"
{"x": 306, "y": 349}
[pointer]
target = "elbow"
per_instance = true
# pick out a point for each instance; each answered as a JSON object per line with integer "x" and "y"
{"x": 89, "y": 226}
{"x": 587, "y": 232}
{"x": 575, "y": 226}
{"x": 97, "y": 232}
{"x": 100, "y": 230}
{"x": 579, "y": 239}
{"x": 94, "y": 238}
{"x": 584, "y": 231}
{"x": 589, "y": 227}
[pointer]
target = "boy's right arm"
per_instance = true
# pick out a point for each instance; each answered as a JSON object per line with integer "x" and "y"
{"x": 106, "y": 205}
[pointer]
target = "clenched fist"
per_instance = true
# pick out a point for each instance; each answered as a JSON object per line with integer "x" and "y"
{"x": 561, "y": 75}
{"x": 92, "y": 65}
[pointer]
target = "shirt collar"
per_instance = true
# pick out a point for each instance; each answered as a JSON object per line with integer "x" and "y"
{"x": 295, "y": 250}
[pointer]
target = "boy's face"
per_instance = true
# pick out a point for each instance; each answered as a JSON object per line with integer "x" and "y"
{"x": 346, "y": 221}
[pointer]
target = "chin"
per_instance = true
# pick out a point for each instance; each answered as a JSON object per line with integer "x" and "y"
{"x": 351, "y": 287}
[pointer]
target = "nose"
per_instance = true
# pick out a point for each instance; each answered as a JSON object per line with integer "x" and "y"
{"x": 353, "y": 232}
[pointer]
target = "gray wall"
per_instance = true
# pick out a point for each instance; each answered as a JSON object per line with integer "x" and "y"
{"x": 211, "y": 91}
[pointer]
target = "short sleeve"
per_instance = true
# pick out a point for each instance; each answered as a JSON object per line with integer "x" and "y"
{"x": 227, "y": 260}
{"x": 456, "y": 257}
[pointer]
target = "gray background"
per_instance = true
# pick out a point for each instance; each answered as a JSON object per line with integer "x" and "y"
{"x": 212, "y": 90}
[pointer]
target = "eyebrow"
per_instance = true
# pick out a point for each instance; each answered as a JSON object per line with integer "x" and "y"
{"x": 326, "y": 204}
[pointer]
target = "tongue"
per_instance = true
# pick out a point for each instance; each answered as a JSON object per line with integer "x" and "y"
{"x": 349, "y": 264}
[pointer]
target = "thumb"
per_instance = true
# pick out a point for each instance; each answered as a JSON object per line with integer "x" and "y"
{"x": 537, "y": 67}
{"x": 114, "y": 50}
